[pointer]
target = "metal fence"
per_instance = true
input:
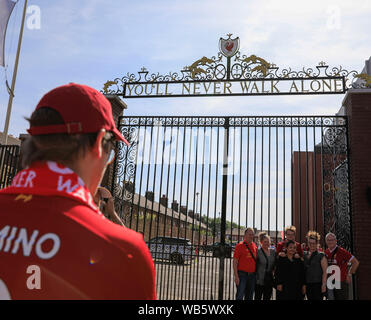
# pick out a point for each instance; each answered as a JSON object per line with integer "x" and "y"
{"x": 9, "y": 163}
{"x": 203, "y": 180}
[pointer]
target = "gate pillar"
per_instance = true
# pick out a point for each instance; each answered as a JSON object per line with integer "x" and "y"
{"x": 357, "y": 106}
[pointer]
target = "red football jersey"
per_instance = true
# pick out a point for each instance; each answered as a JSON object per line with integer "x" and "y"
{"x": 56, "y": 247}
{"x": 245, "y": 261}
{"x": 340, "y": 258}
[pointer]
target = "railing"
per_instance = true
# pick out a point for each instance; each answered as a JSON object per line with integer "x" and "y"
{"x": 9, "y": 164}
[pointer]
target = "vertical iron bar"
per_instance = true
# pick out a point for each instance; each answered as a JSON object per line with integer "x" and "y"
{"x": 323, "y": 181}
{"x": 299, "y": 169}
{"x": 175, "y": 271}
{"x": 262, "y": 180}
{"x": 232, "y": 198}
{"x": 147, "y": 184}
{"x": 239, "y": 204}
{"x": 216, "y": 198}
{"x": 194, "y": 197}
{"x": 159, "y": 204}
{"x": 207, "y": 217}
{"x": 292, "y": 179}
{"x": 307, "y": 175}
{"x": 180, "y": 204}
{"x": 167, "y": 209}
{"x": 187, "y": 197}
{"x": 247, "y": 176}
{"x": 153, "y": 201}
{"x": 277, "y": 133}
{"x": 315, "y": 176}
{"x": 199, "y": 257}
{"x": 214, "y": 280}
{"x": 269, "y": 178}
{"x": 254, "y": 199}
{"x": 140, "y": 182}
{"x": 224, "y": 204}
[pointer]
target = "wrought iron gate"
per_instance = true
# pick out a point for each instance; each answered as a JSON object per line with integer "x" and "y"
{"x": 9, "y": 164}
{"x": 191, "y": 185}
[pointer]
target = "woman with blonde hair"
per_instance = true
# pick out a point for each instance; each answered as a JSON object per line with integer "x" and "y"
{"x": 315, "y": 264}
{"x": 264, "y": 268}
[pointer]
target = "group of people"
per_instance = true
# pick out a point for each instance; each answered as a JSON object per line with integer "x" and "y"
{"x": 50, "y": 220}
{"x": 295, "y": 270}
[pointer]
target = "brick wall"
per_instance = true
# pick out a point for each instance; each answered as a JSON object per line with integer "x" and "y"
{"x": 358, "y": 110}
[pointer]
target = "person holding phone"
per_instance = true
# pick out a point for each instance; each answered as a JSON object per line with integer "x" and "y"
{"x": 104, "y": 200}
{"x": 48, "y": 217}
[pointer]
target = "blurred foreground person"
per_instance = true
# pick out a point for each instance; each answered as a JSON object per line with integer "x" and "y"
{"x": 54, "y": 241}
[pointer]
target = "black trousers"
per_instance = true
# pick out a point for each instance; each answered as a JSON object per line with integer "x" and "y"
{"x": 339, "y": 294}
{"x": 263, "y": 291}
{"x": 314, "y": 291}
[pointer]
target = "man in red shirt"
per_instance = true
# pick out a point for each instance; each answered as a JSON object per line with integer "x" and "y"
{"x": 54, "y": 241}
{"x": 244, "y": 264}
{"x": 340, "y": 257}
{"x": 290, "y": 234}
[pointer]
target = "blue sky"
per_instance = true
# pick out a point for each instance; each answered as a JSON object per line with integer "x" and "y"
{"x": 92, "y": 41}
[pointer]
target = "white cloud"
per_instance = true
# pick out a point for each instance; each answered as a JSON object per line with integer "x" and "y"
{"x": 94, "y": 41}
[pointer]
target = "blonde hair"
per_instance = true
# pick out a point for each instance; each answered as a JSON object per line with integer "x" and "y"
{"x": 313, "y": 235}
{"x": 264, "y": 235}
{"x": 290, "y": 228}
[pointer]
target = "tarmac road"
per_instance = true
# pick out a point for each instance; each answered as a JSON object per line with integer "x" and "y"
{"x": 195, "y": 280}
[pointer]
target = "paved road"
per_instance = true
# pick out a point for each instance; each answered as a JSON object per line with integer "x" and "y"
{"x": 198, "y": 279}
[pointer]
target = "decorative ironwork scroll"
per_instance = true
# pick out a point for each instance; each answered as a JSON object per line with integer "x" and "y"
{"x": 232, "y": 74}
{"x": 336, "y": 185}
{"x": 123, "y": 185}
{"x": 342, "y": 209}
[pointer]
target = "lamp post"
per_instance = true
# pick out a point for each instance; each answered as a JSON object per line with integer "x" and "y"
{"x": 11, "y": 95}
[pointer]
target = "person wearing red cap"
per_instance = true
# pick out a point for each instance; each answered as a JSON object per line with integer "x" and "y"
{"x": 54, "y": 241}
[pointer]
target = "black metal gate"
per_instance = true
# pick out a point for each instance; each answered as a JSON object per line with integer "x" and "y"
{"x": 9, "y": 164}
{"x": 191, "y": 185}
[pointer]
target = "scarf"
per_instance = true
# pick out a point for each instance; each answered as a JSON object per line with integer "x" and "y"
{"x": 51, "y": 179}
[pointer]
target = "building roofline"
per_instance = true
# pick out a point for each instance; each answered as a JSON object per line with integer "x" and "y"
{"x": 116, "y": 100}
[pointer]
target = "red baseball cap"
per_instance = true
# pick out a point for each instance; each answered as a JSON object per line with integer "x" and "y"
{"x": 83, "y": 109}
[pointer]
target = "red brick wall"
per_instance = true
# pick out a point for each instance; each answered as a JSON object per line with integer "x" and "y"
{"x": 310, "y": 190}
{"x": 358, "y": 110}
